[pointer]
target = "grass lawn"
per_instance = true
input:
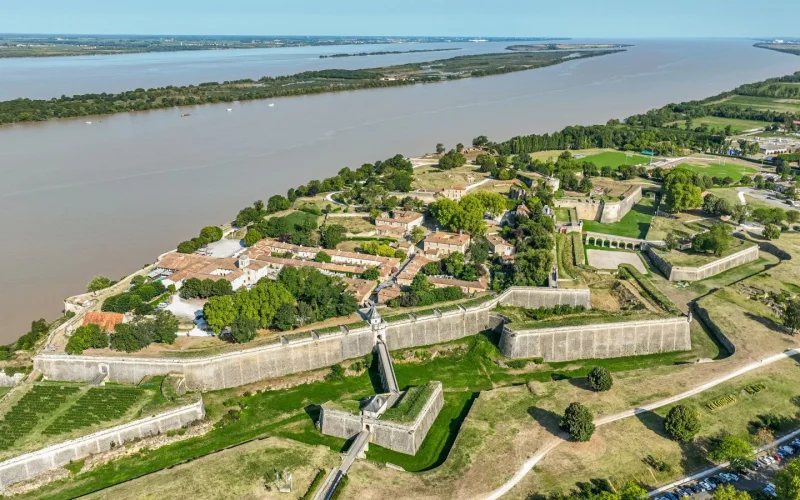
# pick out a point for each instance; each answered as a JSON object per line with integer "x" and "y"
{"x": 771, "y": 103}
{"x": 719, "y": 170}
{"x": 616, "y": 159}
{"x": 691, "y": 258}
{"x": 353, "y": 224}
{"x": 562, "y": 214}
{"x": 3, "y": 391}
{"x": 635, "y": 224}
{"x": 616, "y": 451}
{"x": 430, "y": 177}
{"x": 737, "y": 126}
{"x": 661, "y": 226}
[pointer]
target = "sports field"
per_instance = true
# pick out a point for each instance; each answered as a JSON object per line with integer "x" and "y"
{"x": 736, "y": 125}
{"x": 772, "y": 103}
{"x": 616, "y": 159}
{"x": 719, "y": 170}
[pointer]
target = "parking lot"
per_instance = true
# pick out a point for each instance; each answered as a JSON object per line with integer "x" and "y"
{"x": 758, "y": 477}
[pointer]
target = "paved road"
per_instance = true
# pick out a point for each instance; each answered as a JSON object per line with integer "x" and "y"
{"x": 762, "y": 196}
{"x": 553, "y": 443}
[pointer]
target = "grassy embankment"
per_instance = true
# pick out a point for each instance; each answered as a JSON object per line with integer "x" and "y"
{"x": 635, "y": 224}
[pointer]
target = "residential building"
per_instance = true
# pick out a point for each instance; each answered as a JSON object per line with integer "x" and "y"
{"x": 399, "y": 220}
{"x": 178, "y": 267}
{"x": 361, "y": 289}
{"x": 413, "y": 267}
{"x": 107, "y": 321}
{"x": 388, "y": 293}
{"x": 500, "y": 246}
{"x": 443, "y": 243}
{"x": 522, "y": 210}
{"x": 454, "y": 193}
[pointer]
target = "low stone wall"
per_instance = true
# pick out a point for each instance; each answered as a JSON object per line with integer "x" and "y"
{"x": 303, "y": 352}
{"x": 704, "y": 317}
{"x": 677, "y": 273}
{"x": 10, "y": 380}
{"x": 30, "y": 465}
{"x": 401, "y": 437}
{"x": 605, "y": 340}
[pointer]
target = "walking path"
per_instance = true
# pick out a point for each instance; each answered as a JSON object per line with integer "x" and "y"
{"x": 528, "y": 465}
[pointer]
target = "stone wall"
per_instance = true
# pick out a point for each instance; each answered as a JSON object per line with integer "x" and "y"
{"x": 603, "y": 211}
{"x": 10, "y": 380}
{"x": 704, "y": 317}
{"x": 30, "y": 465}
{"x": 305, "y": 352}
{"x": 401, "y": 437}
{"x": 605, "y": 340}
{"x": 677, "y": 273}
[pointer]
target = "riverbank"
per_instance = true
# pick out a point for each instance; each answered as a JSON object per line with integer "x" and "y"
{"x": 305, "y": 83}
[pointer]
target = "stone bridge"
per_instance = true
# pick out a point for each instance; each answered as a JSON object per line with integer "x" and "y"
{"x": 614, "y": 241}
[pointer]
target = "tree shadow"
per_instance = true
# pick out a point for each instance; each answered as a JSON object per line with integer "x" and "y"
{"x": 653, "y": 422}
{"x": 550, "y": 420}
{"x": 580, "y": 383}
{"x": 772, "y": 325}
{"x": 594, "y": 488}
{"x": 692, "y": 453}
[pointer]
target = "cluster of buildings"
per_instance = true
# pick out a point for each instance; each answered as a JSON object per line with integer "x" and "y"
{"x": 398, "y": 224}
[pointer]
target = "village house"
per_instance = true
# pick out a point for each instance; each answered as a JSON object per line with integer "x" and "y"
{"x": 454, "y": 193}
{"x": 442, "y": 243}
{"x": 413, "y": 267}
{"x": 500, "y": 246}
{"x": 178, "y": 267}
{"x": 388, "y": 293}
{"x": 406, "y": 221}
{"x": 107, "y": 321}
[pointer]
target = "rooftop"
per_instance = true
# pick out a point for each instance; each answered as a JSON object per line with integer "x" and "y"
{"x": 105, "y": 320}
{"x": 442, "y": 237}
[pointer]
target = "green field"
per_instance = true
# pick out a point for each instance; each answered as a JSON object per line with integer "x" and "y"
{"x": 737, "y": 126}
{"x": 616, "y": 159}
{"x": 719, "y": 170}
{"x": 635, "y": 224}
{"x": 691, "y": 258}
{"x": 772, "y": 103}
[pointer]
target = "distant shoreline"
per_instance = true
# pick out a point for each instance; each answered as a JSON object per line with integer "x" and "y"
{"x": 538, "y": 47}
{"x": 385, "y": 52}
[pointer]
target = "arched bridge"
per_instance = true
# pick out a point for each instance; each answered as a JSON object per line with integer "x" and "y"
{"x": 613, "y": 241}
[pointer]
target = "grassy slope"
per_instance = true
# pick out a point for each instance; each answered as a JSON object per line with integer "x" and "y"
{"x": 719, "y": 170}
{"x": 635, "y": 224}
{"x": 737, "y": 125}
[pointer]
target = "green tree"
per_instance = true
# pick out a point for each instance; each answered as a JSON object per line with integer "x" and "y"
{"x": 600, "y": 379}
{"x": 682, "y": 423}
{"x": 681, "y": 193}
{"x": 488, "y": 163}
{"x": 733, "y": 449}
{"x": 129, "y": 337}
{"x": 440, "y": 148}
{"x": 98, "y": 283}
{"x": 285, "y": 317}
{"x": 219, "y": 312}
{"x": 792, "y": 216}
{"x": 262, "y": 301}
{"x": 480, "y": 141}
{"x": 728, "y": 492}
{"x": 451, "y": 160}
{"x": 243, "y": 330}
{"x": 211, "y": 233}
{"x": 632, "y": 491}
{"x": 252, "y": 237}
{"x": 791, "y": 315}
{"x": 578, "y": 422}
{"x": 740, "y": 213}
{"x": 716, "y": 240}
{"x": 787, "y": 481}
{"x": 417, "y": 234}
{"x": 163, "y": 327}
{"x": 86, "y": 337}
{"x": 278, "y": 203}
{"x": 187, "y": 247}
{"x": 322, "y": 257}
{"x": 771, "y": 232}
{"x": 331, "y": 236}
{"x": 371, "y": 274}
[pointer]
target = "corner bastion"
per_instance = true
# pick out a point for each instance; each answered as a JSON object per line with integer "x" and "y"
{"x": 401, "y": 437}
{"x": 677, "y": 273}
{"x": 604, "y": 340}
{"x": 601, "y": 210}
{"x": 30, "y": 465}
{"x": 307, "y": 350}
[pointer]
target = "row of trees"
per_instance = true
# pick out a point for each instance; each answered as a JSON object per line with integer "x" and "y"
{"x": 136, "y": 299}
{"x": 129, "y": 337}
{"x": 299, "y": 296}
{"x": 208, "y": 234}
{"x": 423, "y": 293}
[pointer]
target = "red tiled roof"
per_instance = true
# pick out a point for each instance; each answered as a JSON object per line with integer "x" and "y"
{"x": 105, "y": 320}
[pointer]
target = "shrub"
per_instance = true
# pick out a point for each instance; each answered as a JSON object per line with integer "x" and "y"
{"x": 600, "y": 379}
{"x": 252, "y": 237}
{"x": 578, "y": 422}
{"x": 337, "y": 373}
{"x": 371, "y": 274}
{"x": 85, "y": 337}
{"x": 682, "y": 423}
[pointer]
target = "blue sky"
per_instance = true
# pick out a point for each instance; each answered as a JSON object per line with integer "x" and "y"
{"x": 575, "y": 18}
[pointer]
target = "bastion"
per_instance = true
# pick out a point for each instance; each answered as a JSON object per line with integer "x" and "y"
{"x": 678, "y": 273}
{"x": 399, "y": 436}
{"x": 602, "y": 210}
{"x": 603, "y": 340}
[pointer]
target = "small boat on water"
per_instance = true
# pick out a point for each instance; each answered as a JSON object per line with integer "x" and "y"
{"x": 272, "y": 105}
{"x": 88, "y": 123}
{"x": 229, "y": 110}
{"x": 185, "y": 115}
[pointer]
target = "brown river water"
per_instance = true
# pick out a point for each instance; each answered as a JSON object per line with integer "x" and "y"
{"x": 77, "y": 200}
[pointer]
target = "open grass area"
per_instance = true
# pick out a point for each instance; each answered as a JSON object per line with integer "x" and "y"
{"x": 737, "y": 126}
{"x": 635, "y": 224}
{"x": 617, "y": 451}
{"x": 692, "y": 258}
{"x": 3, "y": 391}
{"x": 683, "y": 225}
{"x": 772, "y": 103}
{"x": 353, "y": 225}
{"x": 719, "y": 170}
{"x": 430, "y": 177}
{"x": 616, "y": 159}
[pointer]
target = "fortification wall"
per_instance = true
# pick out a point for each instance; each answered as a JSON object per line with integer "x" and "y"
{"x": 217, "y": 372}
{"x": 704, "y": 317}
{"x": 309, "y": 352}
{"x": 401, "y": 437}
{"x": 10, "y": 380}
{"x": 677, "y": 273}
{"x": 586, "y": 209}
{"x": 30, "y": 465}
{"x": 608, "y": 340}
{"x": 615, "y": 211}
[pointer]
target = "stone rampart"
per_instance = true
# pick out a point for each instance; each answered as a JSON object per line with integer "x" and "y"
{"x": 303, "y": 352}
{"x": 401, "y": 437}
{"x": 678, "y": 273}
{"x": 704, "y": 317}
{"x": 30, "y": 465}
{"x": 604, "y": 340}
{"x": 601, "y": 210}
